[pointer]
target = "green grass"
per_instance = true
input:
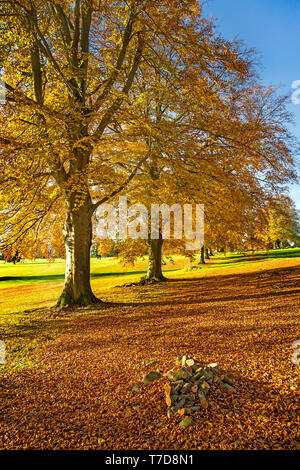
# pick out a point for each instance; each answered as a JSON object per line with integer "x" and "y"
{"x": 109, "y": 271}
{"x": 36, "y": 284}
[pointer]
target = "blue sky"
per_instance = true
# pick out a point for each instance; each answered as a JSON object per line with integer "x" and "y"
{"x": 273, "y": 28}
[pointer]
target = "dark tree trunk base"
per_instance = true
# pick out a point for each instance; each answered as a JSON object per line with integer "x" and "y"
{"x": 144, "y": 281}
{"x": 65, "y": 300}
{"x": 160, "y": 278}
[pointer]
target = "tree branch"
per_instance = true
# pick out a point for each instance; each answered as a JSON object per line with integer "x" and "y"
{"x": 108, "y": 115}
{"x": 121, "y": 187}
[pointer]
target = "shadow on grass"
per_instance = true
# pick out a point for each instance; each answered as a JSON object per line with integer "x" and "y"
{"x": 272, "y": 283}
{"x": 34, "y": 329}
{"x": 225, "y": 260}
{"x": 61, "y": 277}
{"x": 215, "y": 289}
{"x": 276, "y": 254}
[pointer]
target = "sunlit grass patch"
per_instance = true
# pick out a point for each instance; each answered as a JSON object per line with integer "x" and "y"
{"x": 37, "y": 284}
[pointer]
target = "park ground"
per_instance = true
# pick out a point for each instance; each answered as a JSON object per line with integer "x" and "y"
{"x": 68, "y": 379}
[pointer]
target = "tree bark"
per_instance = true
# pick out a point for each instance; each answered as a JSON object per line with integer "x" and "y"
{"x": 207, "y": 253}
{"x": 202, "y": 256}
{"x": 154, "y": 272}
{"x": 77, "y": 234}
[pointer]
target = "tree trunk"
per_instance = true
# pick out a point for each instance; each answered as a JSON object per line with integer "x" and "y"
{"x": 78, "y": 237}
{"x": 207, "y": 253}
{"x": 202, "y": 257}
{"x": 154, "y": 272}
{"x": 211, "y": 253}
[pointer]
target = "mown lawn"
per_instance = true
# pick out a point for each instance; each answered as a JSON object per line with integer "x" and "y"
{"x": 37, "y": 283}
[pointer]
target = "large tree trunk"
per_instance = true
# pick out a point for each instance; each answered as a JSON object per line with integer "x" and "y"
{"x": 154, "y": 272}
{"x": 78, "y": 237}
{"x": 207, "y": 253}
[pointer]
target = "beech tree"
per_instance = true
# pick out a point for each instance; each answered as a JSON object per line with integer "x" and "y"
{"x": 69, "y": 68}
{"x": 280, "y": 222}
{"x": 73, "y": 135}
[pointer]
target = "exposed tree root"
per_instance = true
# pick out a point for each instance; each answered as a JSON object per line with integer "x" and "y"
{"x": 145, "y": 281}
{"x": 66, "y": 300}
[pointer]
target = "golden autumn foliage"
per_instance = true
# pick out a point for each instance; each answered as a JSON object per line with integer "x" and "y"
{"x": 109, "y": 97}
